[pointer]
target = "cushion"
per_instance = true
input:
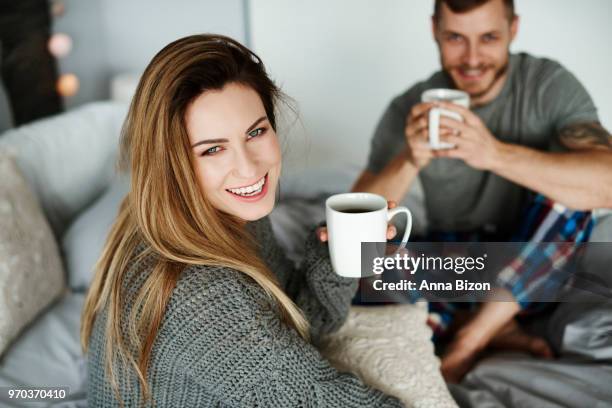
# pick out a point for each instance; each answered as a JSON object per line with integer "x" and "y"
{"x": 83, "y": 241}
{"x": 31, "y": 271}
{"x": 48, "y": 354}
{"x": 68, "y": 159}
{"x": 389, "y": 348}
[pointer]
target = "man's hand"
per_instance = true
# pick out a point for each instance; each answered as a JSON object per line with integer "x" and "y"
{"x": 475, "y": 144}
{"x": 417, "y": 135}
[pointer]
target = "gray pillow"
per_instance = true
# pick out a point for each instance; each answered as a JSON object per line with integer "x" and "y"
{"x": 31, "y": 272}
{"x": 83, "y": 241}
{"x": 68, "y": 159}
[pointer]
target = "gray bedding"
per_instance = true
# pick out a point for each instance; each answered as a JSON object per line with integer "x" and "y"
{"x": 48, "y": 354}
{"x": 518, "y": 380}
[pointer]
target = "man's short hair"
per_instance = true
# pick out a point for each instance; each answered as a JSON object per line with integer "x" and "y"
{"x": 463, "y": 6}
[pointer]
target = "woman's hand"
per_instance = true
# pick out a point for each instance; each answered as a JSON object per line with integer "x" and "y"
{"x": 391, "y": 230}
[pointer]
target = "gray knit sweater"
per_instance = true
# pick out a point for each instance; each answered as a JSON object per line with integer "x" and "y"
{"x": 222, "y": 343}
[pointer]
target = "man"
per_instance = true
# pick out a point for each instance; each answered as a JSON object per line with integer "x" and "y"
{"x": 530, "y": 126}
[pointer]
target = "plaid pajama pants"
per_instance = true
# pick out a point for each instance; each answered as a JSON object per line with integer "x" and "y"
{"x": 546, "y": 226}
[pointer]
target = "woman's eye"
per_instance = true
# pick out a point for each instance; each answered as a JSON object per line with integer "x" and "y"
{"x": 211, "y": 151}
{"x": 256, "y": 132}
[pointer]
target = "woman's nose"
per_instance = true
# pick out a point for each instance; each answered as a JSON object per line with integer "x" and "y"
{"x": 245, "y": 165}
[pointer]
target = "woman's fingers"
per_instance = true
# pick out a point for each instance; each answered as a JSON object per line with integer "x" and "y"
{"x": 322, "y": 234}
{"x": 391, "y": 231}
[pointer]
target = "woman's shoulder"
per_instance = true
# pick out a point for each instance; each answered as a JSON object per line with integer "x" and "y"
{"x": 211, "y": 307}
{"x": 199, "y": 288}
{"x": 208, "y": 291}
{"x": 202, "y": 281}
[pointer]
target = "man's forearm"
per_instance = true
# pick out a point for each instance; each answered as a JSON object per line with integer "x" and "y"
{"x": 578, "y": 179}
{"x": 392, "y": 182}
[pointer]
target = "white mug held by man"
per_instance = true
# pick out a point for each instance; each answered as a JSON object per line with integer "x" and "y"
{"x": 443, "y": 95}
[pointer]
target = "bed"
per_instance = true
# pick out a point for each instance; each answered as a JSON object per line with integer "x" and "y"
{"x": 78, "y": 193}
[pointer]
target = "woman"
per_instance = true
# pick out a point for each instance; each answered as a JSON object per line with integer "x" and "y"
{"x": 193, "y": 302}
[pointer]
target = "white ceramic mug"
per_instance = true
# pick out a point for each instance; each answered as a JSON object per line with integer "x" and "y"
{"x": 353, "y": 218}
{"x": 448, "y": 95}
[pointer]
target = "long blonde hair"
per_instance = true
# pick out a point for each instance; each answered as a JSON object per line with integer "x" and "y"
{"x": 165, "y": 208}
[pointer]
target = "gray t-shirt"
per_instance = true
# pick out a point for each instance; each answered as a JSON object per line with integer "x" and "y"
{"x": 538, "y": 99}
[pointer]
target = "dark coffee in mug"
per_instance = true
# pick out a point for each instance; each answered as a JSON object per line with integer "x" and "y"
{"x": 354, "y": 210}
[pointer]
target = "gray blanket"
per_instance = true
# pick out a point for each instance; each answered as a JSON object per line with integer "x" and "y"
{"x": 579, "y": 330}
{"x": 518, "y": 380}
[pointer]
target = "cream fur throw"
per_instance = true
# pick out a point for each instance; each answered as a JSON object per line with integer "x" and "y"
{"x": 389, "y": 347}
{"x": 31, "y": 272}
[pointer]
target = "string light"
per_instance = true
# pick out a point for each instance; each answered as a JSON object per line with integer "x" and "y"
{"x": 58, "y": 8}
{"x": 60, "y": 45}
{"x": 67, "y": 85}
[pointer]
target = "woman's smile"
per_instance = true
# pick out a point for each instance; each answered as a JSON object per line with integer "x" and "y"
{"x": 250, "y": 193}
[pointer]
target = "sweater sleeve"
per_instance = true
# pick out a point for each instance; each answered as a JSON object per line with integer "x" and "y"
{"x": 323, "y": 296}
{"x": 234, "y": 344}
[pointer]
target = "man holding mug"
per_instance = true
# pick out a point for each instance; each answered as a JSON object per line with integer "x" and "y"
{"x": 530, "y": 135}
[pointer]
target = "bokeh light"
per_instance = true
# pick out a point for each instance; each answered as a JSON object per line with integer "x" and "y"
{"x": 68, "y": 85}
{"x": 58, "y": 8}
{"x": 60, "y": 45}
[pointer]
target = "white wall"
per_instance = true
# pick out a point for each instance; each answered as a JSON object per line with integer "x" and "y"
{"x": 137, "y": 29}
{"x": 343, "y": 60}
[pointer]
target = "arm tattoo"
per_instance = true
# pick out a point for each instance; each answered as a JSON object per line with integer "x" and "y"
{"x": 585, "y": 136}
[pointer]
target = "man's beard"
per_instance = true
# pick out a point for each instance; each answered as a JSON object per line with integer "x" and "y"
{"x": 501, "y": 71}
